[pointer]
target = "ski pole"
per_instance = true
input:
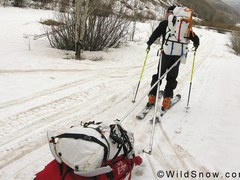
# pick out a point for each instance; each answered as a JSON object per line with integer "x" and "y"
{"x": 129, "y": 112}
{"x": 143, "y": 67}
{"x": 156, "y": 106}
{"x": 190, "y": 85}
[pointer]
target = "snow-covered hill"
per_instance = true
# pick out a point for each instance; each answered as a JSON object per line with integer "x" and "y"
{"x": 41, "y": 90}
{"x": 235, "y": 4}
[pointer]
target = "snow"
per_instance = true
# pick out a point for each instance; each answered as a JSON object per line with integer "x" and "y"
{"x": 41, "y": 90}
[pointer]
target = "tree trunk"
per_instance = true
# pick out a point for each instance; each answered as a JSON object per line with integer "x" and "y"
{"x": 80, "y": 25}
{"x": 134, "y": 23}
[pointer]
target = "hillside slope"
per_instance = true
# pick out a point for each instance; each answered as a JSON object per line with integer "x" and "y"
{"x": 235, "y": 4}
{"x": 213, "y": 11}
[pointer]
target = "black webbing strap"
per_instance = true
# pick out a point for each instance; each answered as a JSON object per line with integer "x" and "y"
{"x": 122, "y": 141}
{"x": 102, "y": 136}
{"x": 68, "y": 170}
{"x": 165, "y": 39}
{"x": 86, "y": 138}
{"x": 174, "y": 19}
{"x": 126, "y": 140}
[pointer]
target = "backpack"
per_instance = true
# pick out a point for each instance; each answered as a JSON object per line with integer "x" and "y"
{"x": 91, "y": 151}
{"x": 178, "y": 31}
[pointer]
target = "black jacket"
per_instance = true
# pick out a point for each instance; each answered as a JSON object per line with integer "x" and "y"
{"x": 161, "y": 31}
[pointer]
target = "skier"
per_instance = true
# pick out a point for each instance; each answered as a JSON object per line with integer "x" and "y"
{"x": 168, "y": 59}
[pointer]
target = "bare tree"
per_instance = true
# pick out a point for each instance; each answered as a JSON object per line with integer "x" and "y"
{"x": 64, "y": 5}
{"x": 235, "y": 42}
{"x": 106, "y": 26}
{"x": 18, "y": 3}
{"x": 60, "y": 33}
{"x": 99, "y": 24}
{"x": 82, "y": 7}
{"x": 5, "y": 3}
{"x": 134, "y": 22}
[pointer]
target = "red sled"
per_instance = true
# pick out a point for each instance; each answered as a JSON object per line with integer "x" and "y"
{"x": 121, "y": 168}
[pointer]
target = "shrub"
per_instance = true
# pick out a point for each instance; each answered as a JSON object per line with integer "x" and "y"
{"x": 60, "y": 32}
{"x": 106, "y": 26}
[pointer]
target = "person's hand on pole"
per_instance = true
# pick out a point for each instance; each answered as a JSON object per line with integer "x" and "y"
{"x": 148, "y": 48}
{"x": 195, "y": 46}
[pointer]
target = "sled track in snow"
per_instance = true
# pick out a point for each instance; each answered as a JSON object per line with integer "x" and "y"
{"x": 63, "y": 87}
{"x": 184, "y": 159}
{"x": 169, "y": 156}
{"x": 30, "y": 139}
{"x": 43, "y": 93}
{"x": 29, "y": 127}
{"x": 24, "y": 71}
{"x": 33, "y": 135}
{"x": 40, "y": 114}
{"x": 202, "y": 60}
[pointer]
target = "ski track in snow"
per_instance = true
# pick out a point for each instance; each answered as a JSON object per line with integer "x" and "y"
{"x": 46, "y": 116}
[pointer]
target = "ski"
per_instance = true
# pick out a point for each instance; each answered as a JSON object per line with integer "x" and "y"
{"x": 142, "y": 114}
{"x": 163, "y": 111}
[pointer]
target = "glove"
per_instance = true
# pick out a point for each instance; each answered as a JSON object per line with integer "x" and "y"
{"x": 196, "y": 46}
{"x": 148, "y": 48}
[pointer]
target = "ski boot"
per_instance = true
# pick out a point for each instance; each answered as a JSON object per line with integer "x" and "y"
{"x": 151, "y": 100}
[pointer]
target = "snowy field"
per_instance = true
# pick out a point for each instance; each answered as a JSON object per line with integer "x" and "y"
{"x": 40, "y": 89}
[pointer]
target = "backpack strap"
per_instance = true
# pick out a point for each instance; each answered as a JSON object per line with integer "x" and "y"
{"x": 87, "y": 138}
{"x": 126, "y": 138}
{"x": 108, "y": 146}
{"x": 174, "y": 19}
{"x": 122, "y": 141}
{"x": 68, "y": 170}
{"x": 166, "y": 39}
{"x": 86, "y": 125}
